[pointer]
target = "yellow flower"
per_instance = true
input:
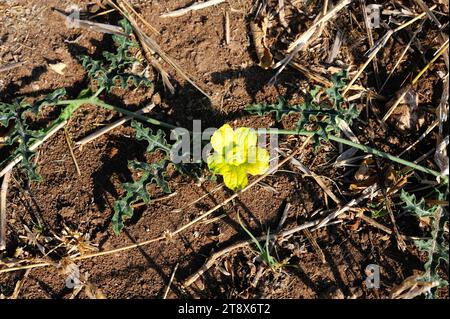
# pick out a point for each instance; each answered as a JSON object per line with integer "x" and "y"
{"x": 236, "y": 155}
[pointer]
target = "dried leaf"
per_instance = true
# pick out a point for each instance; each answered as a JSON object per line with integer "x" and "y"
{"x": 364, "y": 171}
{"x": 93, "y": 292}
{"x": 412, "y": 287}
{"x": 405, "y": 115}
{"x": 58, "y": 67}
{"x": 259, "y": 31}
{"x": 441, "y": 157}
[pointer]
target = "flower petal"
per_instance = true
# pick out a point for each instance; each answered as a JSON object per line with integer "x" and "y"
{"x": 222, "y": 139}
{"x": 260, "y": 164}
{"x": 245, "y": 137}
{"x": 215, "y": 162}
{"x": 235, "y": 177}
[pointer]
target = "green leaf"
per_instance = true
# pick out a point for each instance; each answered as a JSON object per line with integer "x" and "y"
{"x": 113, "y": 70}
{"x": 155, "y": 141}
{"x": 281, "y": 109}
{"x": 264, "y": 252}
{"x": 6, "y": 113}
{"x": 415, "y": 207}
{"x": 151, "y": 173}
{"x": 22, "y": 137}
{"x": 334, "y": 92}
{"x": 157, "y": 172}
{"x": 50, "y": 99}
{"x": 319, "y": 116}
{"x": 436, "y": 247}
{"x": 137, "y": 190}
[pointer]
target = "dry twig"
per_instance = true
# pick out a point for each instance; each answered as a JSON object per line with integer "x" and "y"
{"x": 3, "y": 193}
{"x": 170, "y": 281}
{"x": 194, "y": 7}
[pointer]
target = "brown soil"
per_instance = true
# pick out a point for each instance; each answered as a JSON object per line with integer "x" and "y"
{"x": 32, "y": 33}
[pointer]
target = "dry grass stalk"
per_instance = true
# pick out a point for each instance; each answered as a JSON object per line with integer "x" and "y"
{"x": 315, "y": 245}
{"x": 32, "y": 148}
{"x": 381, "y": 227}
{"x": 378, "y": 46}
{"x": 148, "y": 52}
{"x": 111, "y": 127}
{"x": 421, "y": 137}
{"x": 227, "y": 28}
{"x": 345, "y": 128}
{"x": 214, "y": 257}
{"x": 404, "y": 90}
{"x": 151, "y": 45}
{"x": 282, "y": 14}
{"x": 370, "y": 191}
{"x": 312, "y": 75}
{"x": 399, "y": 60}
{"x": 429, "y": 13}
{"x": 90, "y": 25}
{"x": 302, "y": 41}
{"x": 284, "y": 217}
{"x": 69, "y": 145}
{"x": 19, "y": 285}
{"x": 371, "y": 42}
{"x": 305, "y": 170}
{"x": 140, "y": 17}
{"x": 324, "y": 12}
{"x": 288, "y": 59}
{"x": 411, "y": 287}
{"x": 335, "y": 47}
{"x": 3, "y": 193}
{"x": 443, "y": 108}
{"x": 11, "y": 66}
{"x": 170, "y": 281}
{"x": 193, "y": 7}
{"x": 388, "y": 203}
{"x": 307, "y": 34}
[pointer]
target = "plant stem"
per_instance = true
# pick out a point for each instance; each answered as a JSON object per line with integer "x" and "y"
{"x": 133, "y": 114}
{"x": 376, "y": 152}
{"x": 361, "y": 147}
{"x": 96, "y": 101}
